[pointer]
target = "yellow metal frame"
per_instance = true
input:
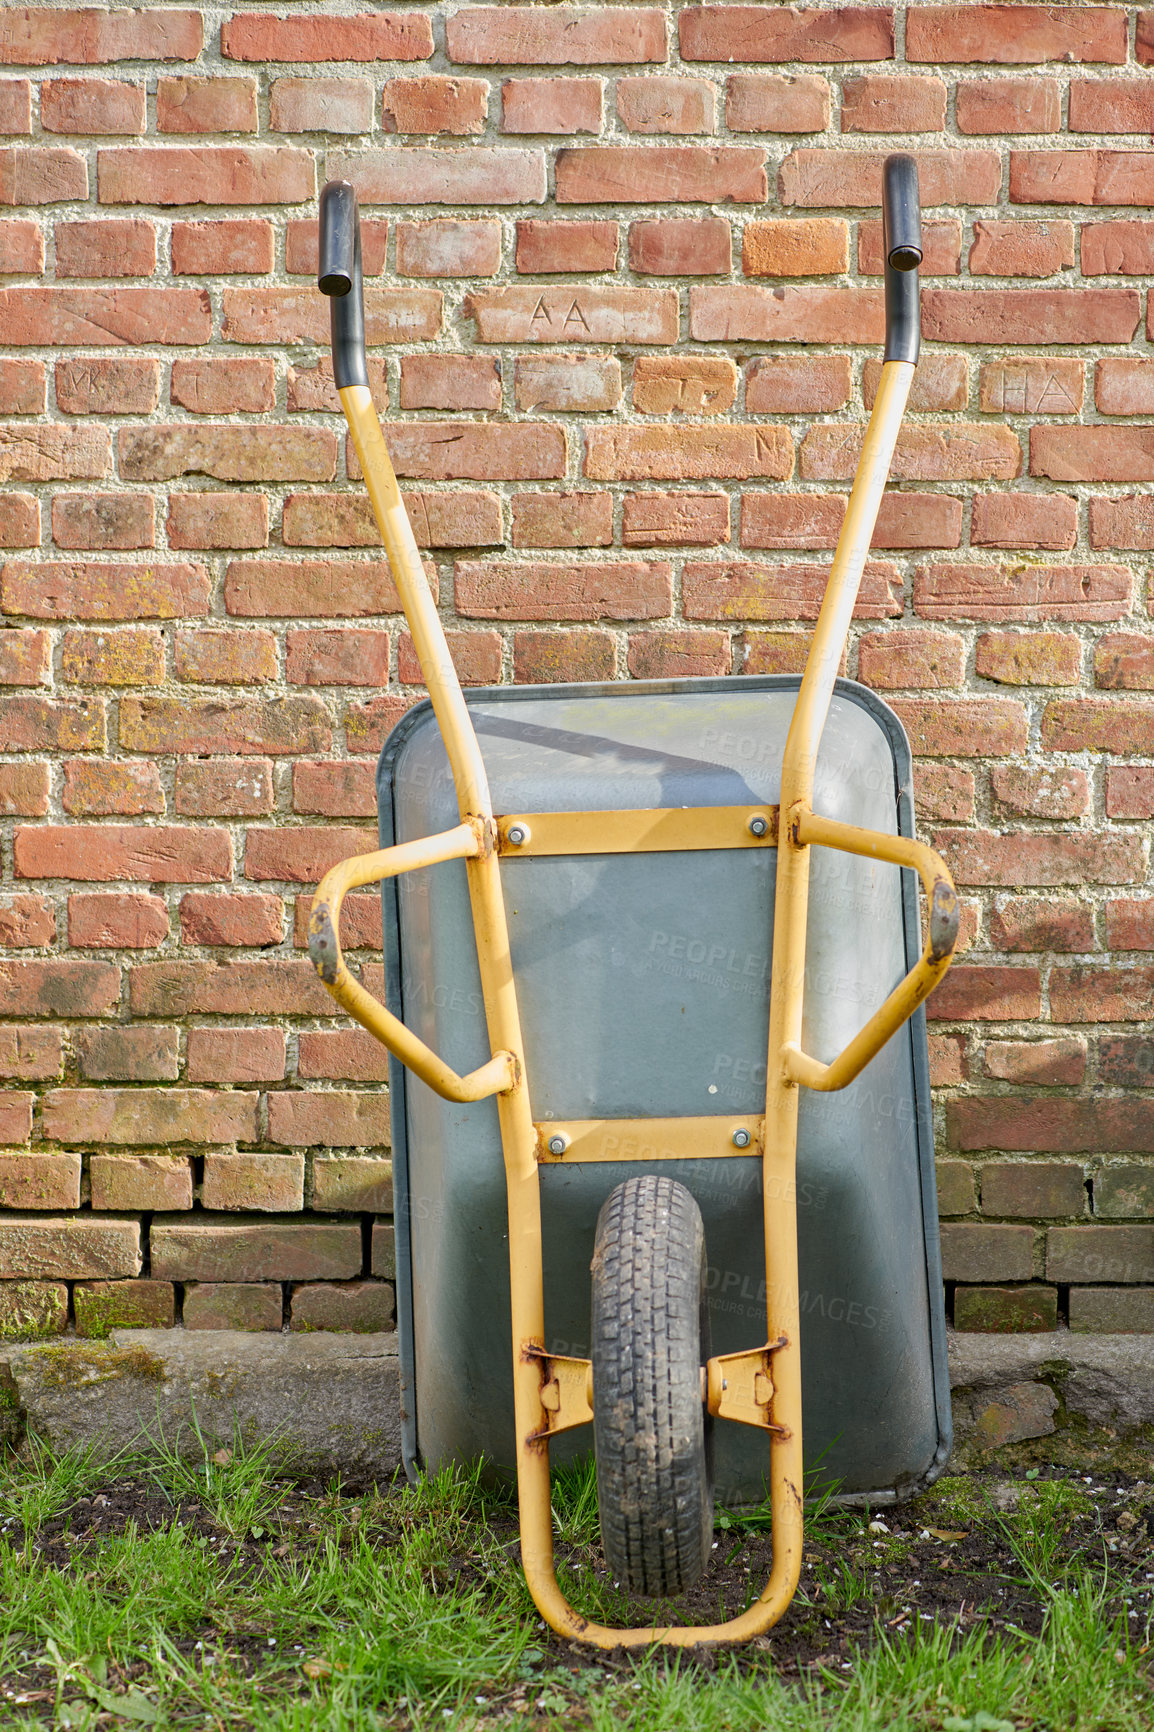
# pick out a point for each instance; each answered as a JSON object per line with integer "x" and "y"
{"x": 553, "y": 1392}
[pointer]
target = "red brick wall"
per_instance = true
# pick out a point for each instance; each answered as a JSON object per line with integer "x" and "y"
{"x": 625, "y": 312}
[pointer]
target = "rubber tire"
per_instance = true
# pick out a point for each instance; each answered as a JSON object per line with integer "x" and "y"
{"x": 652, "y": 1435}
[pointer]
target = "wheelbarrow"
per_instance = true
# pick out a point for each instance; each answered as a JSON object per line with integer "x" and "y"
{"x": 656, "y": 1063}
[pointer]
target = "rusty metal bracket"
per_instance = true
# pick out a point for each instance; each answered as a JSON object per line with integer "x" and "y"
{"x": 566, "y": 1391}
{"x": 739, "y": 1386}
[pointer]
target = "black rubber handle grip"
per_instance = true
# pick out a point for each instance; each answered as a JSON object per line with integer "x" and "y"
{"x": 902, "y": 246}
{"x": 339, "y": 277}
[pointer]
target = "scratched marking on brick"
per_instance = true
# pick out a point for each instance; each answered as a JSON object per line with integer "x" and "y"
{"x": 1032, "y": 388}
{"x": 564, "y": 315}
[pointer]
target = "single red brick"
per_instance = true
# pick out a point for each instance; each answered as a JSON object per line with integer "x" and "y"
{"x": 216, "y": 657}
{"x": 672, "y": 103}
{"x": 1125, "y": 522}
{"x": 224, "y": 384}
{"x": 832, "y": 176}
{"x": 152, "y": 854}
{"x": 1022, "y": 594}
{"x": 566, "y": 246}
{"x": 1124, "y": 386}
{"x": 448, "y": 247}
{"x": 956, "y": 1193}
{"x": 106, "y": 247}
{"x": 140, "y": 1182}
{"x": 680, "y": 247}
{"x": 102, "y": 385}
{"x": 1056, "y": 1125}
{"x": 815, "y": 519}
{"x": 671, "y": 453}
{"x": 1124, "y": 661}
{"x": 132, "y": 657}
{"x": 1028, "y": 857}
{"x": 224, "y": 788}
{"x": 314, "y": 36}
{"x": 23, "y": 383}
{"x": 138, "y": 1052}
{"x": 345, "y": 789}
{"x": 232, "y": 1305}
{"x": 360, "y": 923}
{"x": 483, "y": 175}
{"x": 1084, "y": 993}
{"x": 668, "y": 655}
{"x": 798, "y": 384}
{"x": 227, "y": 452}
{"x": 248, "y": 920}
{"x": 1025, "y": 520}
{"x": 974, "y": 993}
{"x": 774, "y": 652}
{"x": 1126, "y": 1061}
{"x": 684, "y": 384}
{"x": 210, "y": 174}
{"x": 16, "y": 106}
{"x": 250, "y": 726}
{"x": 211, "y": 520}
{"x": 25, "y": 658}
{"x": 60, "y": 987}
{"x": 231, "y": 245}
{"x": 54, "y": 453}
{"x": 1120, "y": 248}
{"x": 450, "y": 382}
{"x": 466, "y": 517}
{"x": 103, "y": 520}
{"x": 26, "y": 921}
{"x": 1041, "y": 923}
{"x": 787, "y": 247}
{"x": 206, "y": 105}
{"x": 758, "y": 592}
{"x": 1030, "y": 315}
{"x": 253, "y": 1181}
{"x": 308, "y": 588}
{"x": 19, "y": 520}
{"x": 116, "y": 920}
{"x": 551, "y": 105}
{"x": 475, "y": 451}
{"x": 964, "y": 727}
{"x": 581, "y": 313}
{"x": 941, "y": 382}
{"x": 1119, "y": 725}
{"x": 1029, "y": 658}
{"x": 958, "y": 451}
{"x": 24, "y": 790}
{"x": 103, "y": 592}
{"x": 107, "y": 789}
{"x": 362, "y": 1307}
{"x": 1111, "y": 105}
{"x": 36, "y": 1181}
{"x": 334, "y": 1118}
{"x": 541, "y": 657}
{"x": 42, "y": 174}
{"x": 822, "y": 33}
{"x": 48, "y": 35}
{"x": 883, "y": 102}
{"x": 675, "y": 520}
{"x": 941, "y": 247}
{"x": 799, "y": 313}
{"x": 911, "y": 658}
{"x": 1021, "y": 249}
{"x": 1043, "y": 793}
{"x": 21, "y": 248}
{"x": 567, "y": 519}
{"x": 304, "y": 855}
{"x": 620, "y": 589}
{"x": 943, "y": 792}
{"x": 337, "y": 658}
{"x": 776, "y": 102}
{"x": 321, "y": 105}
{"x": 236, "y": 1055}
{"x": 1049, "y": 1062}
{"x": 435, "y": 104}
{"x": 368, "y": 725}
{"x": 644, "y": 174}
{"x": 1009, "y": 105}
{"x": 565, "y": 36}
{"x": 1130, "y": 923}
{"x": 104, "y": 1305}
{"x": 31, "y": 724}
{"x": 1079, "y": 177}
{"x": 341, "y": 1055}
{"x": 1015, "y": 34}
{"x": 986, "y": 1253}
{"x": 149, "y": 1116}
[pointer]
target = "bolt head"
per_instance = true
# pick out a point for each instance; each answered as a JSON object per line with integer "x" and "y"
{"x": 758, "y": 825}
{"x": 741, "y": 1139}
{"x": 558, "y": 1145}
{"x": 518, "y": 835}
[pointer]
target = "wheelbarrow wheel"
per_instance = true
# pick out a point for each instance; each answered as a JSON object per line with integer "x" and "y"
{"x": 651, "y": 1433}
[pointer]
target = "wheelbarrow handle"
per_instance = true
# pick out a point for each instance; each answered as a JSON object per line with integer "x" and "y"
{"x": 902, "y": 245}
{"x": 339, "y": 277}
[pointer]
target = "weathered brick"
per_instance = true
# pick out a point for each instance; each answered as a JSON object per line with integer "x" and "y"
{"x": 53, "y": 453}
{"x": 1006, "y": 1310}
{"x": 1119, "y": 725}
{"x": 448, "y": 247}
{"x": 680, "y": 247}
{"x": 153, "y": 854}
{"x": 1008, "y": 105}
{"x": 956, "y": 1191}
{"x": 48, "y": 36}
{"x": 236, "y": 1055}
{"x": 24, "y": 658}
{"x": 353, "y": 1182}
{"x": 689, "y": 384}
{"x": 141, "y": 1182}
{"x": 24, "y": 790}
{"x": 773, "y": 652}
{"x": 1086, "y": 177}
{"x": 944, "y": 792}
{"x": 582, "y": 313}
{"x": 1129, "y": 792}
{"x": 997, "y": 316}
{"x": 474, "y": 451}
{"x": 433, "y": 103}
{"x": 205, "y": 105}
{"x": 341, "y": 1055}
{"x": 644, "y": 174}
{"x": 941, "y": 382}
{"x": 896, "y": 659}
{"x": 26, "y": 921}
{"x": 16, "y": 106}
{"x": 954, "y": 451}
{"x": 724, "y": 452}
{"x": 232, "y": 1305}
{"x": 1130, "y": 923}
{"x": 39, "y": 1181}
{"x": 572, "y": 246}
{"x": 1048, "y": 1062}
{"x": 226, "y": 788}
{"x": 109, "y": 521}
{"x": 1124, "y": 1192}
{"x": 308, "y": 588}
{"x": 299, "y": 315}
{"x": 301, "y": 855}
{"x": 31, "y": 1310}
{"x": 805, "y": 247}
{"x": 1033, "y": 1188}
{"x": 772, "y": 102}
{"x": 332, "y": 105}
{"x": 106, "y": 247}
{"x": 1114, "y": 1254}
{"x": 1124, "y": 387}
{"x": 1024, "y": 520}
{"x": 1029, "y": 658}
{"x": 566, "y": 519}
{"x": 212, "y": 1247}
{"x": 21, "y": 247}
{"x": 1112, "y": 1310}
{"x": 233, "y": 657}
{"x": 136, "y": 1052}
{"x": 109, "y": 788}
{"x": 541, "y": 657}
{"x": 30, "y": 1054}
{"x": 230, "y": 919}
{"x": 224, "y": 385}
{"x": 1059, "y": 792}
{"x": 1083, "y": 992}
{"x": 798, "y": 384}
{"x": 666, "y": 655}
{"x": 361, "y": 1307}
{"x": 102, "y": 1306}
{"x": 482, "y": 175}
{"x": 337, "y": 658}
{"x": 987, "y": 993}
{"x": 1023, "y": 594}
{"x": 551, "y": 105}
{"x": 149, "y": 1116}
{"x": 770, "y": 592}
{"x": 346, "y": 789}
{"x": 207, "y": 174}
{"x": 1060, "y": 1126}
{"x": 19, "y": 520}
{"x": 107, "y": 385}
{"x": 92, "y": 317}
{"x": 672, "y": 103}
{"x": 974, "y": 1252}
{"x": 76, "y": 1247}
{"x": 1021, "y": 249}
{"x": 222, "y": 247}
{"x": 360, "y": 924}
{"x": 234, "y": 1182}
{"x": 675, "y": 520}
{"x": 1121, "y": 247}
{"x": 619, "y": 589}
{"x": 23, "y": 381}
{"x": 318, "y": 36}
{"x": 829, "y": 176}
{"x": 883, "y": 102}
{"x": 250, "y": 726}
{"x": 42, "y": 174}
{"x": 1124, "y": 661}
{"x": 812, "y": 33}
{"x": 1016, "y": 35}
{"x": 1033, "y": 857}
{"x": 29, "y": 724}
{"x": 227, "y": 453}
{"x": 384, "y": 1252}
{"x": 120, "y": 919}
{"x": 564, "y": 36}
{"x": 567, "y": 382}
{"x": 131, "y": 657}
{"x": 798, "y": 313}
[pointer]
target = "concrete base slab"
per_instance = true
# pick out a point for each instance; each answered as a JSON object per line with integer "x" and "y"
{"x": 332, "y": 1400}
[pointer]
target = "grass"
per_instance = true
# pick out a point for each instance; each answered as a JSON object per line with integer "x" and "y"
{"x": 209, "y": 1591}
